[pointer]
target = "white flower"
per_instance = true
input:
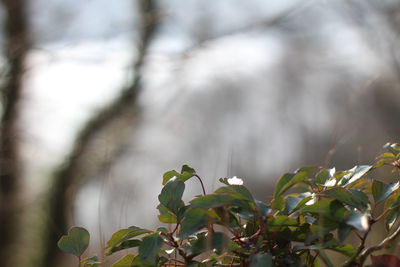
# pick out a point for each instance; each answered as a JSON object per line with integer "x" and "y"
{"x": 235, "y": 181}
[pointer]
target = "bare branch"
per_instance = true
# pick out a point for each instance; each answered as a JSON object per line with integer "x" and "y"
{"x": 384, "y": 244}
{"x": 262, "y": 24}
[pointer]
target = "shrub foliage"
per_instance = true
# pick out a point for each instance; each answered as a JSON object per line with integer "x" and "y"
{"x": 312, "y": 211}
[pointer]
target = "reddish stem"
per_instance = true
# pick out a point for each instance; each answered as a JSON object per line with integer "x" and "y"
{"x": 202, "y": 185}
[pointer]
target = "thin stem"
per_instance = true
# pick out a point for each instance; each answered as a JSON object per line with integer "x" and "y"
{"x": 202, "y": 185}
{"x": 176, "y": 228}
{"x": 382, "y": 215}
{"x": 176, "y": 260}
{"x": 351, "y": 261}
{"x": 385, "y": 242}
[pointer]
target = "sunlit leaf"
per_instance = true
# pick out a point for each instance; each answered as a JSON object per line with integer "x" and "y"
{"x": 91, "y": 262}
{"x": 295, "y": 201}
{"x": 166, "y": 216}
{"x": 393, "y": 201}
{"x": 354, "y": 174}
{"x": 347, "y": 197}
{"x": 179, "y": 176}
{"x": 186, "y": 168}
{"x": 126, "y": 261}
{"x": 324, "y": 175}
{"x": 346, "y": 249}
{"x": 329, "y": 208}
{"x": 391, "y": 218}
{"x": 392, "y": 148}
{"x": 287, "y": 181}
{"x": 358, "y": 220}
{"x": 124, "y": 245}
{"x": 381, "y": 191}
{"x": 125, "y": 234}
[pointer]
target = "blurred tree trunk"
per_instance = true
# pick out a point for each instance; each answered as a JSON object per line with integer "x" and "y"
{"x": 114, "y": 122}
{"x": 16, "y": 36}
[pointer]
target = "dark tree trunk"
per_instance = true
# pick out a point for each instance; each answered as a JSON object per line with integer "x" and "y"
{"x": 15, "y": 50}
{"x": 74, "y": 169}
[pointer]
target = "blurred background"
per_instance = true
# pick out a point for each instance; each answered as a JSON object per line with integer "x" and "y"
{"x": 99, "y": 98}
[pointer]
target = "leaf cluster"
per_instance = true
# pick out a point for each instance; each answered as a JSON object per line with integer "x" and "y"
{"x": 313, "y": 210}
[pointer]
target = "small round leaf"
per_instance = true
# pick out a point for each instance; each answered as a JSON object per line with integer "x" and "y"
{"x": 76, "y": 242}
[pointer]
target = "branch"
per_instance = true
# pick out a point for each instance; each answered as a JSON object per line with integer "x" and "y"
{"x": 117, "y": 115}
{"x": 262, "y": 24}
{"x": 384, "y": 244}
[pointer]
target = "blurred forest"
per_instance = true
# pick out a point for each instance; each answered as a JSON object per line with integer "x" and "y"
{"x": 99, "y": 98}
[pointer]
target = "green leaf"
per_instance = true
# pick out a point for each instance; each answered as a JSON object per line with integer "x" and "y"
{"x": 239, "y": 191}
{"x": 262, "y": 208}
{"x": 391, "y": 218}
{"x": 392, "y": 147}
{"x": 149, "y": 247}
{"x": 381, "y": 191}
{"x": 393, "y": 201}
{"x": 132, "y": 243}
{"x": 171, "y": 195}
{"x": 126, "y": 261}
{"x": 329, "y": 208}
{"x": 261, "y": 260}
{"x": 76, "y": 242}
{"x": 227, "y": 218}
{"x": 344, "y": 231}
{"x": 224, "y": 181}
{"x": 278, "y": 203}
{"x": 183, "y": 177}
{"x": 360, "y": 197}
{"x": 354, "y": 174}
{"x": 166, "y": 216}
{"x": 194, "y": 220}
{"x": 212, "y": 201}
{"x": 282, "y": 221}
{"x": 324, "y": 175}
{"x": 295, "y": 201}
{"x": 125, "y": 234}
{"x": 287, "y": 181}
{"x": 91, "y": 262}
{"x": 346, "y": 249}
{"x": 186, "y": 168}
{"x": 209, "y": 241}
{"x": 350, "y": 198}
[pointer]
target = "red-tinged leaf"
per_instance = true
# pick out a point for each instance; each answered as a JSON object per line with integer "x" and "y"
{"x": 385, "y": 260}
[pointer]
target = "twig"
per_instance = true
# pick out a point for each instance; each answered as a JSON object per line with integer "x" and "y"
{"x": 385, "y": 243}
{"x": 352, "y": 260}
